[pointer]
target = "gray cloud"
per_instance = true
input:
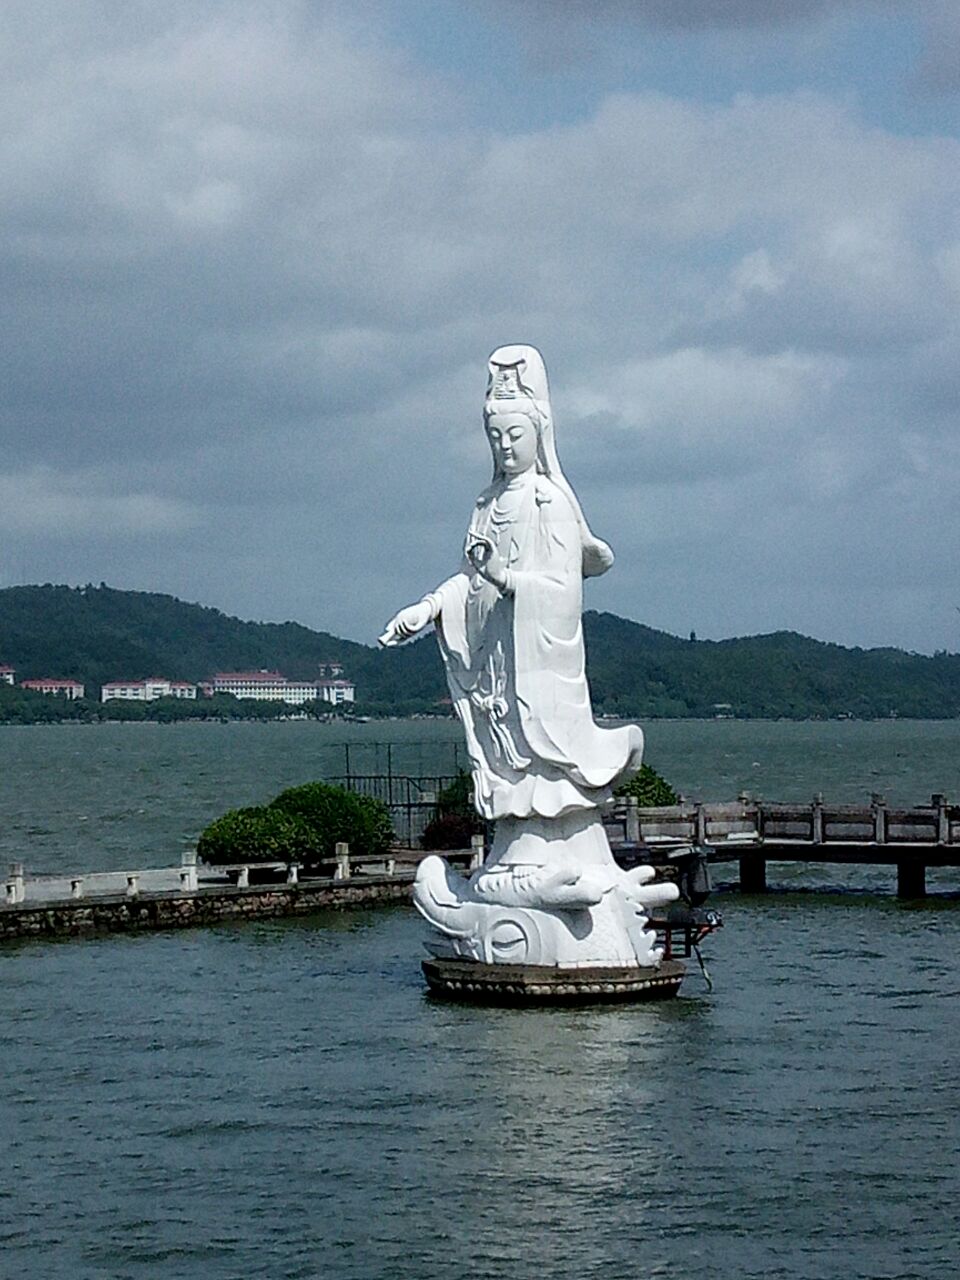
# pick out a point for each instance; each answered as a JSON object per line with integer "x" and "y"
{"x": 938, "y": 71}
{"x": 252, "y": 261}
{"x": 685, "y": 15}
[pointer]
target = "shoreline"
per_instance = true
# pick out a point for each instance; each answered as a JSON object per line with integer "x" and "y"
{"x": 602, "y": 720}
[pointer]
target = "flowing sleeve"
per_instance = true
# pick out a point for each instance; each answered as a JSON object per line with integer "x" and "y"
{"x": 451, "y": 617}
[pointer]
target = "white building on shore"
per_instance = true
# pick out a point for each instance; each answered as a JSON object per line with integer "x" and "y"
{"x": 6, "y": 675}
{"x": 271, "y": 686}
{"x": 69, "y": 689}
{"x": 337, "y": 692}
{"x": 146, "y": 690}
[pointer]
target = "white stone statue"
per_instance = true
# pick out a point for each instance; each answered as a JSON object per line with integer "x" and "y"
{"x": 510, "y": 631}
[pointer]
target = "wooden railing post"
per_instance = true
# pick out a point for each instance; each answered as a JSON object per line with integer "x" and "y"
{"x": 700, "y": 823}
{"x": 879, "y": 818}
{"x": 939, "y": 803}
{"x": 816, "y": 819}
{"x": 632, "y": 831}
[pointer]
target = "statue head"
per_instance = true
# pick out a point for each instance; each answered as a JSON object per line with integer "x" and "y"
{"x": 514, "y": 440}
{"x": 516, "y": 395}
{"x": 517, "y": 390}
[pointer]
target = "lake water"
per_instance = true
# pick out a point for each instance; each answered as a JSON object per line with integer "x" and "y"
{"x": 113, "y": 796}
{"x": 280, "y": 1099}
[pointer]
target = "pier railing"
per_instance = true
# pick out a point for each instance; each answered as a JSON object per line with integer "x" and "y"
{"x": 754, "y": 832}
{"x": 748, "y": 830}
{"x": 817, "y": 823}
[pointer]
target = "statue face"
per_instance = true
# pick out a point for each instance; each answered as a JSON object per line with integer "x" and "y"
{"x": 513, "y": 440}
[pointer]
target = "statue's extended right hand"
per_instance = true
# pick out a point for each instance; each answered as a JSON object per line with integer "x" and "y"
{"x": 406, "y": 624}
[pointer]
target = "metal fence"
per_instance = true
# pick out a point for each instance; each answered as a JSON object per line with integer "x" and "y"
{"x": 412, "y": 801}
{"x": 412, "y": 759}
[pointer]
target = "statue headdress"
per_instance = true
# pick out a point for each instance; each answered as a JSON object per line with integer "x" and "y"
{"x": 517, "y": 383}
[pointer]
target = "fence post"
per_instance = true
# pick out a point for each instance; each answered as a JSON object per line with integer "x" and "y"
{"x": 476, "y": 857}
{"x": 243, "y": 878}
{"x": 293, "y": 873}
{"x": 632, "y": 831}
{"x": 879, "y": 818}
{"x": 342, "y": 850}
{"x": 427, "y": 804}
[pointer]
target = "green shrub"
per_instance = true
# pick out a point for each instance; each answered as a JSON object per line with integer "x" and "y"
{"x": 333, "y": 814}
{"x": 652, "y": 791}
{"x": 456, "y": 819}
{"x": 458, "y": 797}
{"x": 451, "y": 831}
{"x": 301, "y": 825}
{"x": 258, "y": 834}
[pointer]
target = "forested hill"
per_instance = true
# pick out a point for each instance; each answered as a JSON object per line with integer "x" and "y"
{"x": 96, "y": 634}
{"x": 635, "y": 669}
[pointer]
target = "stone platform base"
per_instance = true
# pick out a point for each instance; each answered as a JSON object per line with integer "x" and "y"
{"x": 540, "y": 984}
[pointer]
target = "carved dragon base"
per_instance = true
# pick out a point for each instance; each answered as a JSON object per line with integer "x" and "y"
{"x": 549, "y": 895}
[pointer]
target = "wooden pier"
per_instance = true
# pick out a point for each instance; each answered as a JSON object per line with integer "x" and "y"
{"x": 754, "y": 832}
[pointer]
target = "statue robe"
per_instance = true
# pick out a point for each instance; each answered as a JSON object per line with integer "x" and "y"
{"x": 515, "y": 662}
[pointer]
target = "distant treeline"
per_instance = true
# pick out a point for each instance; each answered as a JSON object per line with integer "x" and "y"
{"x": 97, "y": 634}
{"x": 24, "y": 706}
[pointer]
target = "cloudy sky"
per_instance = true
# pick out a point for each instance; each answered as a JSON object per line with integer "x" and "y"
{"x": 254, "y": 254}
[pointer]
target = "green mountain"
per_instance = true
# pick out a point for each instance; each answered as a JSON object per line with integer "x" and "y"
{"x": 636, "y": 670}
{"x": 95, "y": 634}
